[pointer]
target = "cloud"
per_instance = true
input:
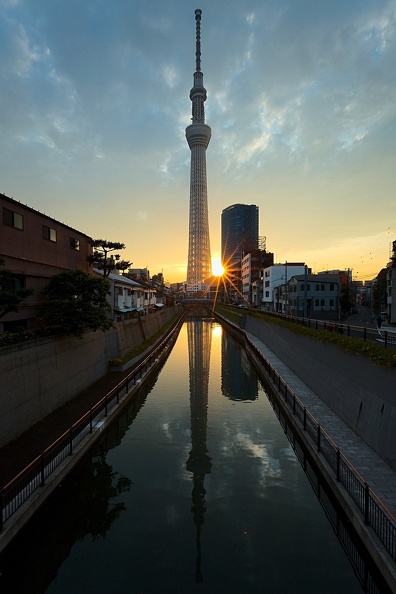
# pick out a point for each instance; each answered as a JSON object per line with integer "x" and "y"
{"x": 301, "y": 102}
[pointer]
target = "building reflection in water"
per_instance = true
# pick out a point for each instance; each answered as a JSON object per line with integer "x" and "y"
{"x": 238, "y": 379}
{"x": 199, "y": 463}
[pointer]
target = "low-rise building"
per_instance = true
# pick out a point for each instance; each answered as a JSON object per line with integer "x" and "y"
{"x": 34, "y": 248}
{"x": 312, "y": 296}
{"x": 252, "y": 265}
{"x": 391, "y": 285}
{"x": 127, "y": 297}
{"x": 273, "y": 277}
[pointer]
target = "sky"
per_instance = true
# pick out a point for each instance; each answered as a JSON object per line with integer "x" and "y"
{"x": 94, "y": 102}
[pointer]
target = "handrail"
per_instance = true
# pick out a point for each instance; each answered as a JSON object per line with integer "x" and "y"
{"x": 386, "y": 338}
{"x": 374, "y": 511}
{"x": 34, "y": 475}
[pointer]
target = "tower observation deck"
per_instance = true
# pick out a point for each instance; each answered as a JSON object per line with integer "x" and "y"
{"x": 199, "y": 266}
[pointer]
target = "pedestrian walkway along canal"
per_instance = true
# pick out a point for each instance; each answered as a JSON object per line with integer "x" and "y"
{"x": 195, "y": 487}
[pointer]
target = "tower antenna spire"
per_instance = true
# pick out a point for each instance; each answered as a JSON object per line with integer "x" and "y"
{"x": 198, "y": 14}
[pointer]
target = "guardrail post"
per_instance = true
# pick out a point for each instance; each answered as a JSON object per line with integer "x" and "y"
{"x": 42, "y": 469}
{"x": 338, "y": 458}
{"x": 366, "y": 504}
{"x": 318, "y": 444}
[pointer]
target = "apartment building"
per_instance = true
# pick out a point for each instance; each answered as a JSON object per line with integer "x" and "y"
{"x": 273, "y": 277}
{"x": 35, "y": 247}
{"x": 312, "y": 296}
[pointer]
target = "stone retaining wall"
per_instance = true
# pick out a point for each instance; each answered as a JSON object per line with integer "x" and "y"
{"x": 39, "y": 377}
{"x": 361, "y": 393}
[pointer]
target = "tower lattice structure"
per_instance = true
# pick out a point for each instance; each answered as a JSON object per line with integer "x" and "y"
{"x": 199, "y": 266}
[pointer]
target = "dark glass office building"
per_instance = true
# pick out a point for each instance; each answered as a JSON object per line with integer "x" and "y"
{"x": 239, "y": 236}
{"x": 239, "y": 233}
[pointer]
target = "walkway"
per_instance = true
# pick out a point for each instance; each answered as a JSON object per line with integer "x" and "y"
{"x": 377, "y": 474}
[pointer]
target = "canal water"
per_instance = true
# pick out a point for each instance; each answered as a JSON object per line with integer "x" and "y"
{"x": 195, "y": 488}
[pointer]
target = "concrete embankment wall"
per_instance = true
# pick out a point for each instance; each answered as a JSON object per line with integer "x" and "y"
{"x": 361, "y": 393}
{"x": 39, "y": 377}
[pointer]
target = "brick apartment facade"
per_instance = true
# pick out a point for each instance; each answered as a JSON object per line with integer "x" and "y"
{"x": 36, "y": 247}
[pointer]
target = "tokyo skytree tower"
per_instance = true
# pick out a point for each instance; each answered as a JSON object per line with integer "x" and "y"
{"x": 198, "y": 134}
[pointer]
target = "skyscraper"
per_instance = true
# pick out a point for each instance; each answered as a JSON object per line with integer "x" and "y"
{"x": 198, "y": 134}
{"x": 239, "y": 233}
{"x": 239, "y": 236}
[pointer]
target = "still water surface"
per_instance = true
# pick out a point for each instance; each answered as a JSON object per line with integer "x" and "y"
{"x": 194, "y": 489}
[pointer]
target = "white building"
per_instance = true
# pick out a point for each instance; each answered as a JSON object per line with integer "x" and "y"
{"x": 127, "y": 297}
{"x": 274, "y": 276}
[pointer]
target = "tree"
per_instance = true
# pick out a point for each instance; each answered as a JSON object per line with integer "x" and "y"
{"x": 101, "y": 258}
{"x": 77, "y": 301}
{"x": 380, "y": 291}
{"x": 346, "y": 299}
{"x": 10, "y": 295}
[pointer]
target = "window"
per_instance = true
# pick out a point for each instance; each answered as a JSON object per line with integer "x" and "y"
{"x": 19, "y": 281}
{"x": 267, "y": 283}
{"x": 331, "y": 302}
{"x": 322, "y": 302}
{"x": 303, "y": 287}
{"x": 316, "y": 287}
{"x": 12, "y": 219}
{"x": 267, "y": 293}
{"x": 49, "y": 234}
{"x": 316, "y": 302}
{"x": 308, "y": 287}
{"x": 74, "y": 244}
{"x": 322, "y": 287}
{"x": 331, "y": 286}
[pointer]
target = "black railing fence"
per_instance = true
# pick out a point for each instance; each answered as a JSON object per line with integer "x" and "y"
{"x": 18, "y": 490}
{"x": 374, "y": 512}
{"x": 386, "y": 338}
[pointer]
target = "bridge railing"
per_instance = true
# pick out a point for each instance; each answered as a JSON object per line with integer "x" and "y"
{"x": 14, "y": 494}
{"x": 374, "y": 512}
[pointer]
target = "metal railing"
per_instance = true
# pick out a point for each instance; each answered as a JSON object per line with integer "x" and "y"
{"x": 374, "y": 512}
{"x": 19, "y": 489}
{"x": 386, "y": 338}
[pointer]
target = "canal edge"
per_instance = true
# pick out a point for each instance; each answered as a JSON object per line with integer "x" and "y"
{"x": 380, "y": 556}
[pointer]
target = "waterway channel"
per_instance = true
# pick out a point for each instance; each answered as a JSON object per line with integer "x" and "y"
{"x": 195, "y": 487}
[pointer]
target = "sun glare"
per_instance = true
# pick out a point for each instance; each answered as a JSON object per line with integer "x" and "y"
{"x": 217, "y": 268}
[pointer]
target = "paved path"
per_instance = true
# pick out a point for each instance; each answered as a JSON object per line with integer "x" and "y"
{"x": 377, "y": 474}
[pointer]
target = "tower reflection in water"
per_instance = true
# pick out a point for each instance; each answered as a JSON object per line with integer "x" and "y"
{"x": 199, "y": 463}
{"x": 238, "y": 379}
